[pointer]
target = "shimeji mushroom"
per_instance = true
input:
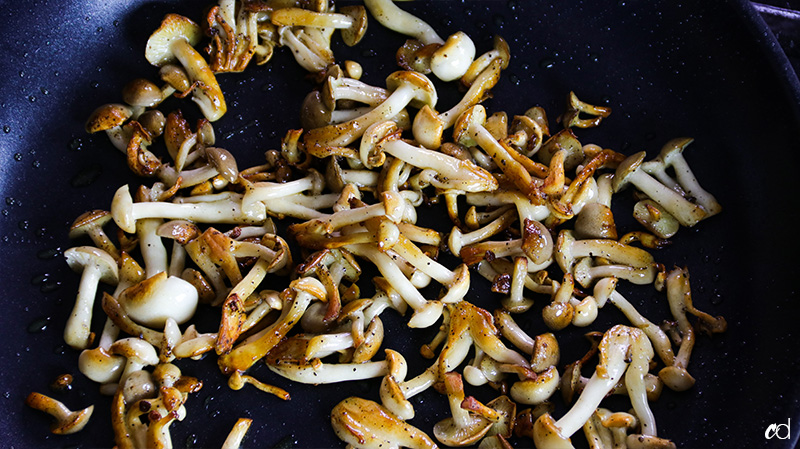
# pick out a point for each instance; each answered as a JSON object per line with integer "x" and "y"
{"x": 298, "y": 296}
{"x": 568, "y": 251}
{"x": 236, "y": 436}
{"x": 66, "y": 421}
{"x": 616, "y": 349}
{"x": 450, "y": 172}
{"x": 258, "y": 195}
{"x": 311, "y": 59}
{"x": 671, "y": 156}
{"x": 91, "y": 224}
{"x": 362, "y": 423}
{"x": 605, "y": 290}
{"x": 158, "y": 298}
{"x": 406, "y": 88}
{"x": 174, "y": 40}
{"x": 458, "y": 239}
{"x": 464, "y": 427}
{"x": 679, "y": 295}
{"x": 470, "y": 131}
{"x": 138, "y": 353}
{"x": 338, "y": 87}
{"x": 391, "y": 16}
{"x": 234, "y": 36}
{"x": 225, "y": 209}
{"x": 111, "y": 118}
{"x": 428, "y": 126}
{"x": 96, "y": 266}
{"x": 288, "y": 360}
{"x": 631, "y": 172}
{"x": 655, "y": 218}
{"x": 352, "y": 20}
{"x": 576, "y": 111}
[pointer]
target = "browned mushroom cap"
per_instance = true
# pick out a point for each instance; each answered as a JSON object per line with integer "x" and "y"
{"x": 141, "y": 92}
{"x": 423, "y": 89}
{"x": 366, "y": 424}
{"x": 91, "y": 223}
{"x": 224, "y": 162}
{"x": 175, "y": 40}
{"x": 67, "y": 421}
{"x": 353, "y": 35}
{"x": 108, "y": 116}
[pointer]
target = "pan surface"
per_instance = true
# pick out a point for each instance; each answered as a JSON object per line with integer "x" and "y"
{"x": 709, "y": 70}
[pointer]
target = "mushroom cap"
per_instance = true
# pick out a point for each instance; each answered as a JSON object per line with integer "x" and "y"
{"x": 428, "y": 128}
{"x": 79, "y": 257}
{"x": 174, "y": 27}
{"x": 452, "y": 59}
{"x": 135, "y": 349}
{"x": 314, "y": 113}
{"x": 108, "y": 116}
{"x": 121, "y": 209}
{"x": 224, "y": 162}
{"x": 353, "y": 35}
{"x": 88, "y": 220}
{"x": 449, "y": 434}
{"x": 547, "y": 435}
{"x": 100, "y": 366}
{"x": 538, "y": 390}
{"x": 673, "y": 148}
{"x": 625, "y": 169}
{"x": 141, "y": 92}
{"x": 424, "y": 90}
{"x": 159, "y": 297}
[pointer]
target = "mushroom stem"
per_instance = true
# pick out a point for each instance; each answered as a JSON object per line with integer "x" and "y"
{"x": 66, "y": 421}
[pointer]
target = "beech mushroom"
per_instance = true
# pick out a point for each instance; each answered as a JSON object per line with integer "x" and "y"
{"x": 630, "y": 172}
{"x": 615, "y": 347}
{"x": 227, "y": 209}
{"x": 406, "y": 88}
{"x": 671, "y": 156}
{"x": 96, "y": 266}
{"x": 362, "y": 423}
{"x": 352, "y": 20}
{"x": 91, "y": 224}
{"x": 66, "y": 421}
{"x": 159, "y": 297}
{"x": 463, "y": 427}
{"x": 138, "y": 353}
{"x": 175, "y": 39}
{"x": 391, "y": 16}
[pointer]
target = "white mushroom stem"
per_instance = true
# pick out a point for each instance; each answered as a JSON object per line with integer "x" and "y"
{"x": 615, "y": 348}
{"x": 237, "y": 433}
{"x": 657, "y": 336}
{"x": 301, "y": 206}
{"x": 307, "y": 58}
{"x": 326, "y": 373}
{"x": 152, "y": 247}
{"x": 458, "y": 239}
{"x": 97, "y": 266}
{"x": 509, "y": 329}
{"x": 345, "y": 88}
{"x": 391, "y": 16}
{"x": 641, "y": 354}
{"x": 525, "y": 208}
{"x": 426, "y": 313}
{"x": 452, "y": 173}
{"x": 229, "y": 210}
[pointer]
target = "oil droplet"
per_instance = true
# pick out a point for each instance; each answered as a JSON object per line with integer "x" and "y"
{"x": 286, "y": 442}
{"x": 17, "y": 157}
{"x": 10, "y": 201}
{"x": 60, "y": 350}
{"x": 23, "y": 224}
{"x": 38, "y": 325}
{"x": 547, "y": 63}
{"x": 44, "y": 91}
{"x": 49, "y": 286}
{"x": 191, "y": 441}
{"x": 36, "y": 164}
{"x": 76, "y": 144}
{"x": 116, "y": 23}
{"x": 39, "y": 278}
{"x": 6, "y": 129}
{"x": 32, "y": 98}
{"x": 47, "y": 254}
{"x": 369, "y": 53}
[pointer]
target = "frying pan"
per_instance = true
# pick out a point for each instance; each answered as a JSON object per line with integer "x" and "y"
{"x": 710, "y": 70}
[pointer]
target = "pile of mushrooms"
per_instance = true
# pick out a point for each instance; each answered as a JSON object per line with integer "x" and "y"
{"x": 530, "y": 211}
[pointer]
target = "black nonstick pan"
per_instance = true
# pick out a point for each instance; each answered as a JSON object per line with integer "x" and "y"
{"x": 709, "y": 70}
